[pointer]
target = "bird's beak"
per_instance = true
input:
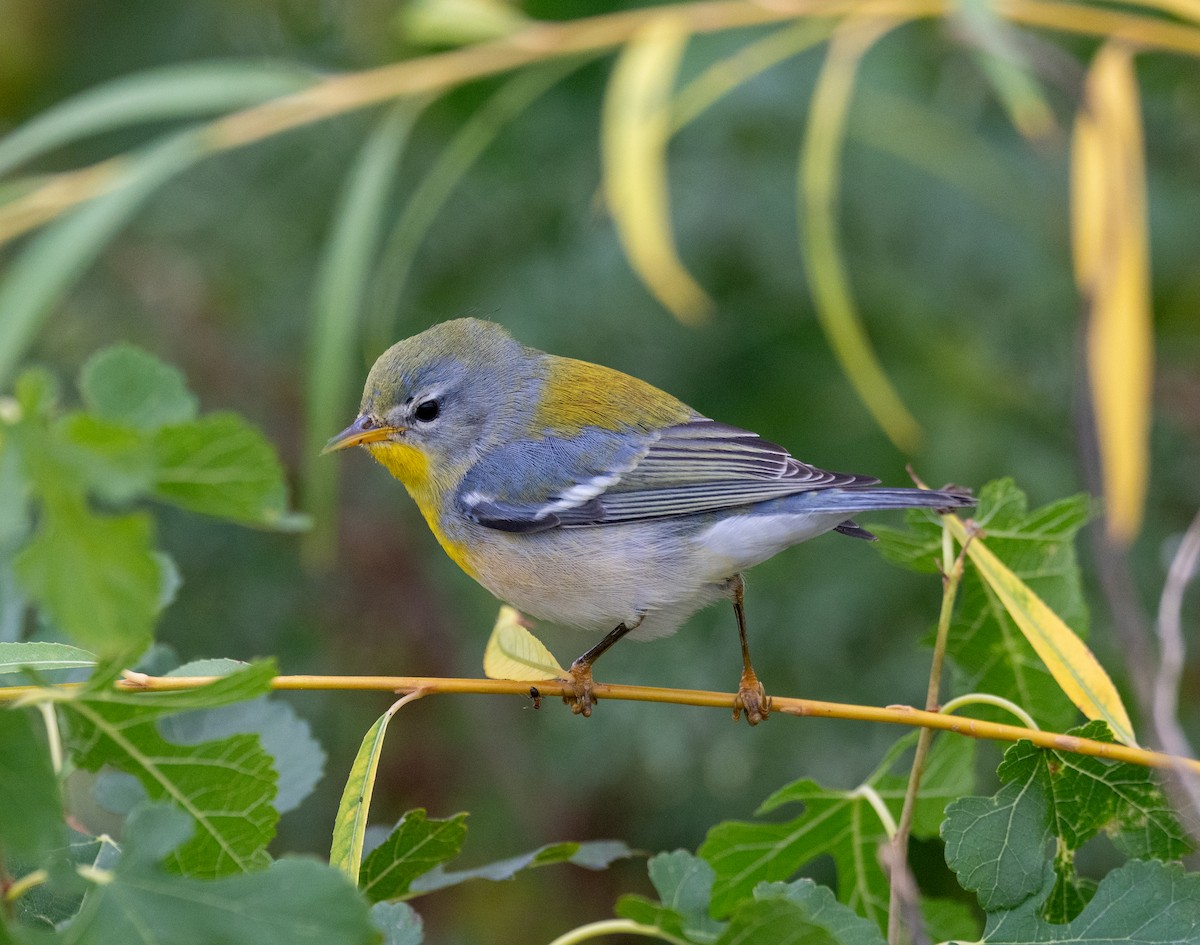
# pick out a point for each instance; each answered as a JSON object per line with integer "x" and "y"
{"x": 365, "y": 429}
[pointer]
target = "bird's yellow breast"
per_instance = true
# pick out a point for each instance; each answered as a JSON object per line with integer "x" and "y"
{"x": 411, "y": 466}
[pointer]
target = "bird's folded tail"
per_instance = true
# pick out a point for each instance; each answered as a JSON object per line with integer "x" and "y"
{"x": 877, "y": 500}
{"x": 873, "y": 499}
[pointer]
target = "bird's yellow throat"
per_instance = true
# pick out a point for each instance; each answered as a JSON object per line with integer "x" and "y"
{"x": 411, "y": 467}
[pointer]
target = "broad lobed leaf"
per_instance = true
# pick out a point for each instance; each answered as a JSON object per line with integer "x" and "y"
{"x": 999, "y": 845}
{"x": 290, "y": 902}
{"x": 226, "y": 786}
{"x": 842, "y": 824}
{"x": 413, "y": 848}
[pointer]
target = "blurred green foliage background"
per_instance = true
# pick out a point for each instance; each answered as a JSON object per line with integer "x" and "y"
{"x": 955, "y": 230}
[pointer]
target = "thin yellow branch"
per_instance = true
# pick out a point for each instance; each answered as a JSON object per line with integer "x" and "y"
{"x": 431, "y": 75}
{"x": 1147, "y": 31}
{"x": 433, "y": 685}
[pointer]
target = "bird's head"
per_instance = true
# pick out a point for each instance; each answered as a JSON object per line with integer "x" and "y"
{"x": 434, "y": 402}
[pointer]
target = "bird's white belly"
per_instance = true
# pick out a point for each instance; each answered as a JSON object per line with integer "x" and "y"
{"x": 662, "y": 571}
{"x": 596, "y": 578}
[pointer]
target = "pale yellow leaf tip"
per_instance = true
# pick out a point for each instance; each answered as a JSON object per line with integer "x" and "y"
{"x": 514, "y": 653}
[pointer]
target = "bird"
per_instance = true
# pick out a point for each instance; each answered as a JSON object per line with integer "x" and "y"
{"x": 589, "y": 498}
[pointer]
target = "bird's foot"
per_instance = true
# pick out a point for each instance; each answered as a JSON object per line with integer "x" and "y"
{"x": 752, "y": 699}
{"x": 579, "y": 678}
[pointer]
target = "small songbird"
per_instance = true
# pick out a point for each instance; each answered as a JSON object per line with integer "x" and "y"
{"x": 589, "y": 498}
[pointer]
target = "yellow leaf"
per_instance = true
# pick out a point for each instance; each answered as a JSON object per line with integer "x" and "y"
{"x": 635, "y": 129}
{"x": 1112, "y": 268}
{"x": 818, "y": 185}
{"x": 1077, "y": 672}
{"x": 515, "y": 653}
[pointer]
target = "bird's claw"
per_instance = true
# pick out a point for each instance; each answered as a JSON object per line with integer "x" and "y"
{"x": 581, "y": 700}
{"x": 752, "y": 699}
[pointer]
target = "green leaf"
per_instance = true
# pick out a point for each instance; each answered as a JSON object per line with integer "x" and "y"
{"x": 350, "y": 827}
{"x": 773, "y": 922}
{"x": 31, "y": 820}
{"x": 596, "y": 855}
{"x": 42, "y": 657}
{"x": 819, "y": 907}
{"x": 95, "y": 576}
{"x": 413, "y": 848}
{"x": 220, "y": 465}
{"x": 116, "y": 462}
{"x": 986, "y": 646}
{"x": 14, "y": 486}
{"x": 226, "y": 786}
{"x": 951, "y": 920}
{"x": 458, "y": 22}
{"x": 684, "y": 884}
{"x": 128, "y": 386}
{"x": 39, "y": 278}
{"x": 347, "y": 262}
{"x": 398, "y": 922}
{"x": 291, "y": 902}
{"x": 842, "y": 824}
{"x": 296, "y": 756}
{"x": 1144, "y": 902}
{"x": 175, "y": 91}
{"x": 997, "y": 845}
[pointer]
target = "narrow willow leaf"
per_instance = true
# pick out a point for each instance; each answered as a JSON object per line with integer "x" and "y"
{"x": 458, "y": 22}
{"x": 346, "y": 847}
{"x": 1005, "y": 64}
{"x": 594, "y": 855}
{"x": 727, "y": 74}
{"x": 176, "y": 91}
{"x": 1068, "y": 658}
{"x": 39, "y": 278}
{"x": 42, "y": 657}
{"x": 952, "y": 153}
{"x": 514, "y": 653}
{"x": 635, "y": 129}
{"x": 339, "y": 291}
{"x": 1112, "y": 267}
{"x": 989, "y": 650}
{"x": 820, "y": 248}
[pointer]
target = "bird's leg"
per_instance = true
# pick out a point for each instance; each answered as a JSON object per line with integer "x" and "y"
{"x": 580, "y": 674}
{"x": 751, "y": 696}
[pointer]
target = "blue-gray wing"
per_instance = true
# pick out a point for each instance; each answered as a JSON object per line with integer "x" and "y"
{"x": 605, "y": 478}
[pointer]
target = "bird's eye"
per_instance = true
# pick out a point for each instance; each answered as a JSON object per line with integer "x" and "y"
{"x": 427, "y": 411}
